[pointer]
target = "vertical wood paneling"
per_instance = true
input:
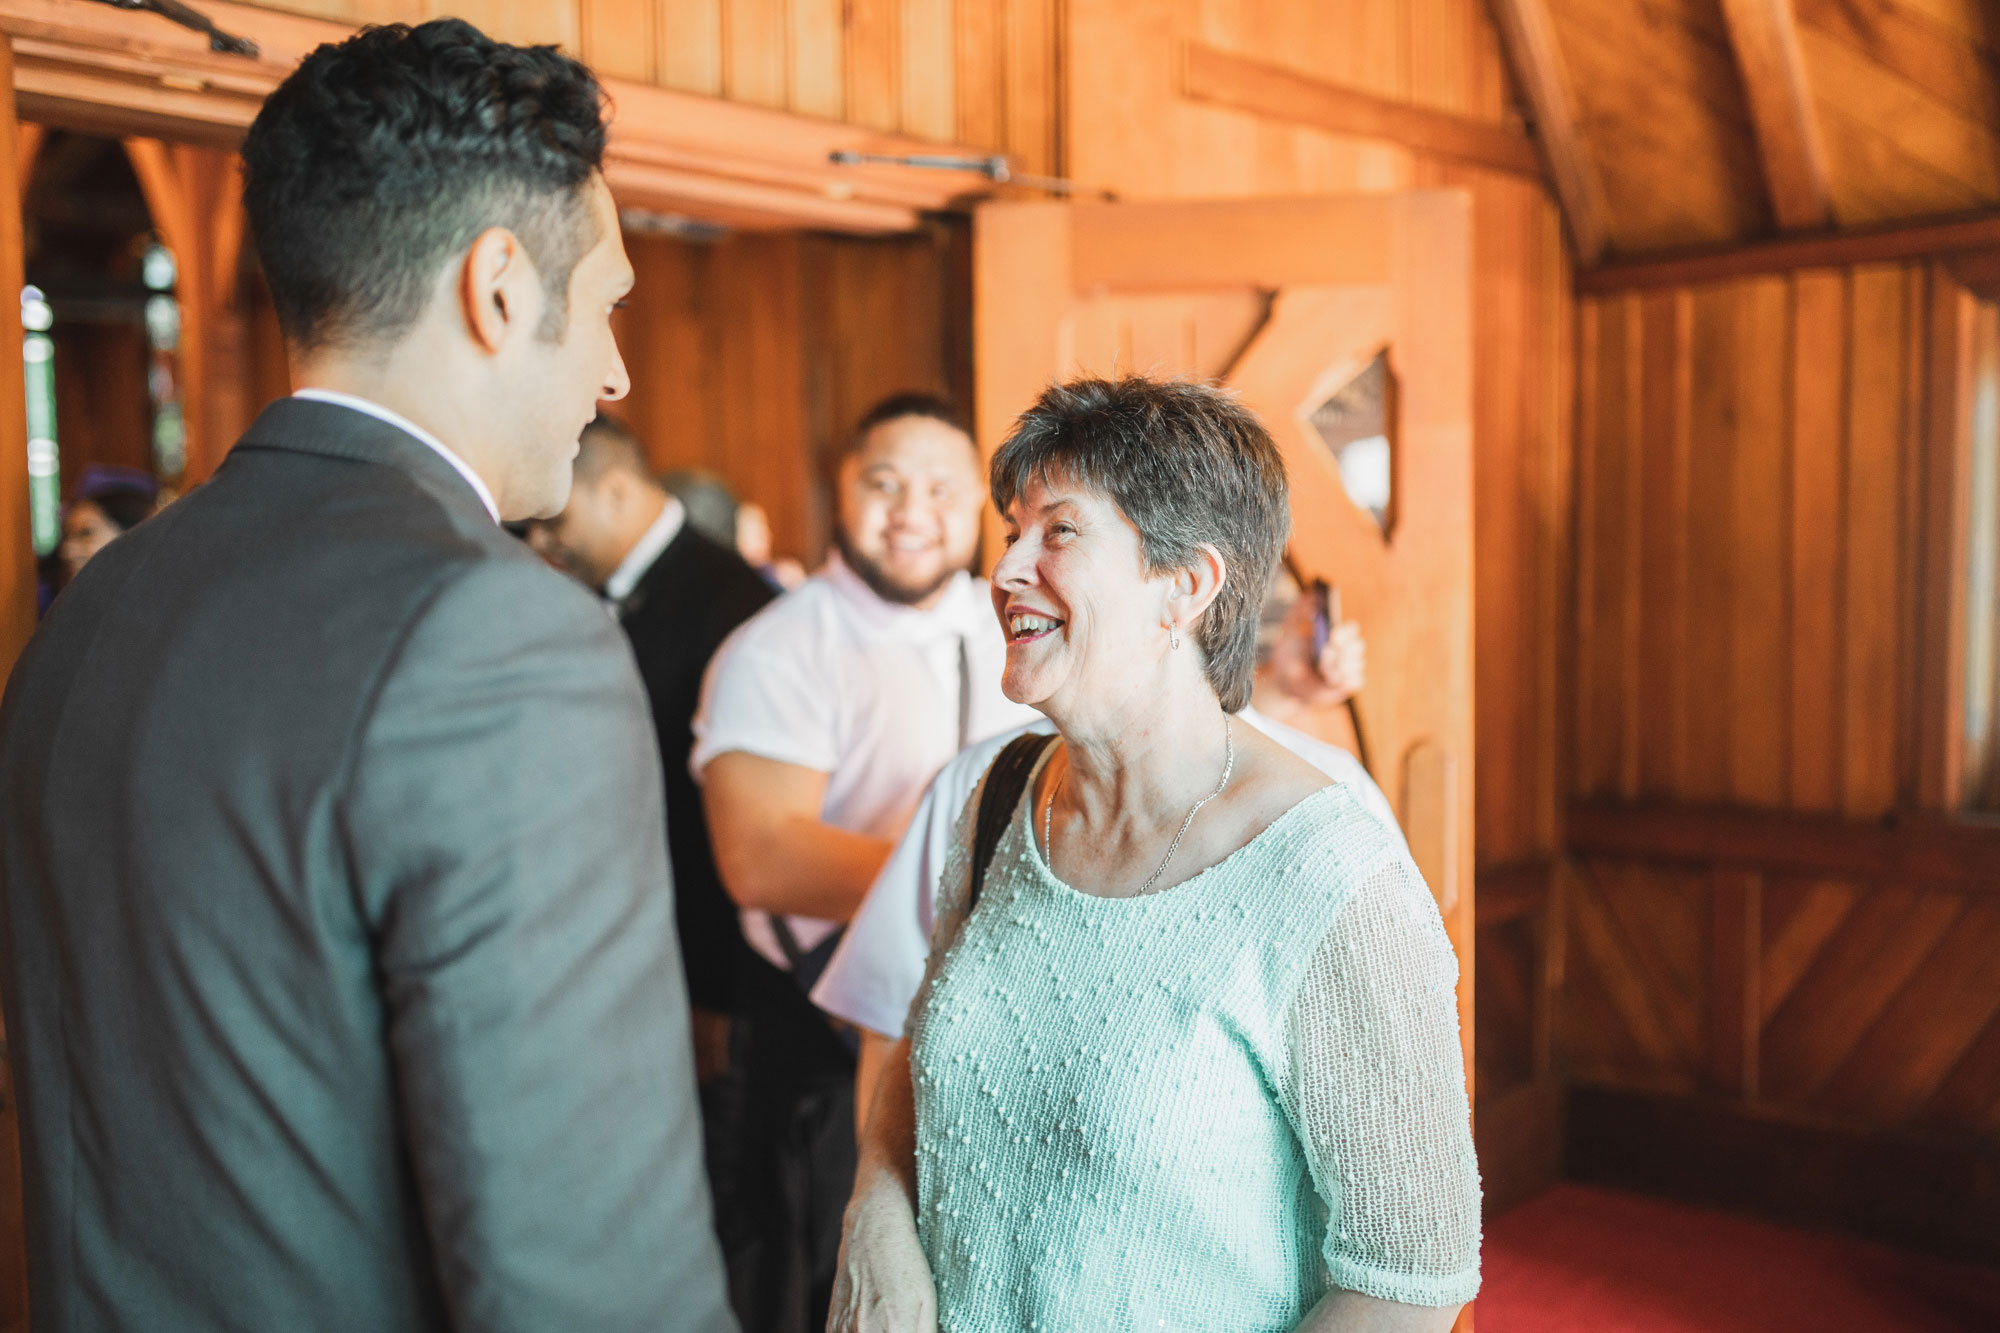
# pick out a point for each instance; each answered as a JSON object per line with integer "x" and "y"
{"x": 690, "y": 34}
{"x": 1708, "y": 627}
{"x": 874, "y": 60}
{"x": 1818, "y": 454}
{"x": 1781, "y": 538}
{"x": 1872, "y": 538}
{"x": 818, "y": 57}
{"x": 1523, "y": 323}
{"x": 1033, "y": 92}
{"x": 1611, "y": 542}
{"x": 755, "y": 51}
{"x": 760, "y": 379}
{"x": 1663, "y": 444}
{"x": 524, "y": 21}
{"x": 928, "y": 68}
{"x": 1760, "y": 647}
{"x": 977, "y": 78}
{"x": 1945, "y": 545}
{"x": 619, "y": 38}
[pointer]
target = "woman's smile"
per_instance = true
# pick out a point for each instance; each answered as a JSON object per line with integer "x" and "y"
{"x": 1028, "y": 626}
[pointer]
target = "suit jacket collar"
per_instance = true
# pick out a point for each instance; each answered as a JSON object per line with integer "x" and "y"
{"x": 658, "y": 571}
{"x": 307, "y": 426}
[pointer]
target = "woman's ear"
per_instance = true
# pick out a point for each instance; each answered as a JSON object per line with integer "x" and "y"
{"x": 1195, "y": 588}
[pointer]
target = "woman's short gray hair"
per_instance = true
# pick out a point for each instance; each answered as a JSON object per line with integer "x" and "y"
{"x": 1189, "y": 466}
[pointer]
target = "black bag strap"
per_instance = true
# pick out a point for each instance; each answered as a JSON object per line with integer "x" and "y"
{"x": 1005, "y": 781}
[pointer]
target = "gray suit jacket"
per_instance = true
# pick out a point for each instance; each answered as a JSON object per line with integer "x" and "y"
{"x": 336, "y": 930}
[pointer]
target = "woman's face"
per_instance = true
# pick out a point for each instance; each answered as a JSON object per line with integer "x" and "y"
{"x": 1085, "y": 623}
{"x": 86, "y": 531}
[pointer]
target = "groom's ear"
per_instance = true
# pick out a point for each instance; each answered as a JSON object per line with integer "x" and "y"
{"x": 496, "y": 287}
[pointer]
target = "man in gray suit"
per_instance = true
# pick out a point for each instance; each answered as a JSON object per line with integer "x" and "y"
{"x": 338, "y": 949}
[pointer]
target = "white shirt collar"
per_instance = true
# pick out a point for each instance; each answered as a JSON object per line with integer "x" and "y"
{"x": 965, "y": 608}
{"x": 411, "y": 428}
{"x": 645, "y": 551}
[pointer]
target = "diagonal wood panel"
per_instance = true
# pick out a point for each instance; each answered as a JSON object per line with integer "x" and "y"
{"x": 1915, "y": 1040}
{"x": 1798, "y": 922}
{"x": 1969, "y": 1097}
{"x": 1875, "y": 953}
{"x": 1637, "y": 940}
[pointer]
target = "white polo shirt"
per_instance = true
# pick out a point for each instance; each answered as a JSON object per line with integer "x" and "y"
{"x": 833, "y": 678}
{"x": 878, "y": 967}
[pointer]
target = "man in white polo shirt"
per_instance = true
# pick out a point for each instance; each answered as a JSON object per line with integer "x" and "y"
{"x": 822, "y": 720}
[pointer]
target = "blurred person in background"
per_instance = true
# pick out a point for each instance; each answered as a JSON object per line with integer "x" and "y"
{"x": 743, "y": 524}
{"x": 677, "y": 592}
{"x": 109, "y": 502}
{"x": 753, "y": 539}
{"x": 821, "y": 721}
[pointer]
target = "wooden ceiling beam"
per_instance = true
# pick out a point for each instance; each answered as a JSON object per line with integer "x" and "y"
{"x": 1240, "y": 84}
{"x": 1764, "y": 35}
{"x": 1528, "y": 36}
{"x": 1979, "y": 270}
{"x": 1941, "y": 237}
{"x": 89, "y": 67}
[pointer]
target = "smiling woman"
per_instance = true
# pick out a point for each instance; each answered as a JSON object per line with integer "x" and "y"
{"x": 1189, "y": 1057}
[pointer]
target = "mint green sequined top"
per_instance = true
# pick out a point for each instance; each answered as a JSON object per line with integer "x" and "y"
{"x": 1199, "y": 1109}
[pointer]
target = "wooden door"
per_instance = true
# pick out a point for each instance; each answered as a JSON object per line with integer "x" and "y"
{"x": 1286, "y": 301}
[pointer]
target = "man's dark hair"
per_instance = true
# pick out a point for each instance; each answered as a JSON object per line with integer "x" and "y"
{"x": 126, "y": 510}
{"x": 898, "y": 406}
{"x": 607, "y": 445}
{"x": 381, "y": 157}
{"x": 1189, "y": 466}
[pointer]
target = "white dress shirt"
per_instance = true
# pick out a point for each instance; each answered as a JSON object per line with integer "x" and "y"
{"x": 833, "y": 678}
{"x": 878, "y": 967}
{"x": 645, "y": 551}
{"x": 408, "y": 427}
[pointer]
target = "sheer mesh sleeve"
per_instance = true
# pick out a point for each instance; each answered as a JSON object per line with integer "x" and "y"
{"x": 1377, "y": 1091}
{"x": 953, "y": 889}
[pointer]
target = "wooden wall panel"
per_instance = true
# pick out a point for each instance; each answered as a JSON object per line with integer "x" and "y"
{"x": 1781, "y": 566}
{"x": 1759, "y": 646}
{"x": 982, "y": 72}
{"x": 1523, "y": 465}
{"x": 1871, "y": 1004}
{"x": 1819, "y": 371}
{"x": 1128, "y": 129}
{"x": 1879, "y": 334}
{"x": 691, "y": 45}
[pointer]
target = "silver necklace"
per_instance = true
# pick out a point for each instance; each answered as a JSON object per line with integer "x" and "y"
{"x": 1228, "y": 767}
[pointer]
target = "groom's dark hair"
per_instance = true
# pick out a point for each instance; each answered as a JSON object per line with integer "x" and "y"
{"x": 382, "y": 157}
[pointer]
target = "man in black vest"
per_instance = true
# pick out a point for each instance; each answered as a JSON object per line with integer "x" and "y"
{"x": 677, "y": 594}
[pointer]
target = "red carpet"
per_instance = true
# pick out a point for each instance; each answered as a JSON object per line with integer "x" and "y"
{"x": 1583, "y": 1260}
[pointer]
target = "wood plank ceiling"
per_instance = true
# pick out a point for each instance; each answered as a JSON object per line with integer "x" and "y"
{"x": 1697, "y": 123}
